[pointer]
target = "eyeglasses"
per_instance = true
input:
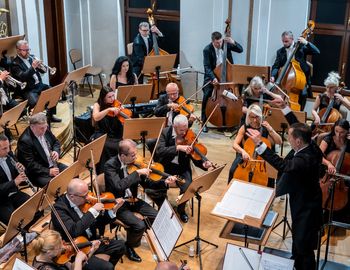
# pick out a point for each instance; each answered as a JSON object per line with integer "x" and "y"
{"x": 144, "y": 30}
{"x": 25, "y": 50}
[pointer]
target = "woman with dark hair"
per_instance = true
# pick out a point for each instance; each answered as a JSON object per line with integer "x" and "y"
{"x": 122, "y": 73}
{"x": 105, "y": 121}
{"x": 335, "y": 140}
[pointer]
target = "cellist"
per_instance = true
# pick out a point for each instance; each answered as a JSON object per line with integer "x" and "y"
{"x": 306, "y": 48}
{"x": 212, "y": 57}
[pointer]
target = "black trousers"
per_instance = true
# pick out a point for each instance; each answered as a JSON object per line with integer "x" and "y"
{"x": 137, "y": 226}
{"x": 11, "y": 204}
{"x": 42, "y": 180}
{"x": 304, "y": 260}
{"x": 207, "y": 92}
{"x": 33, "y": 94}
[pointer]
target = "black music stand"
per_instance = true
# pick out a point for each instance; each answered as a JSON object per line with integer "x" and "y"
{"x": 158, "y": 63}
{"x": 71, "y": 82}
{"x": 200, "y": 185}
{"x": 132, "y": 94}
{"x": 10, "y": 117}
{"x": 47, "y": 100}
{"x": 143, "y": 128}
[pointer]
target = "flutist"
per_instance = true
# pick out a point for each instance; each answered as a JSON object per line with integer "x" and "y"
{"x": 39, "y": 150}
{"x": 10, "y": 180}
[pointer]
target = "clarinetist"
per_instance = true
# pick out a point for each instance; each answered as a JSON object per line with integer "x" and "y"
{"x": 10, "y": 180}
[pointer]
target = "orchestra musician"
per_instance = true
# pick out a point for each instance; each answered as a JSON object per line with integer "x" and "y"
{"x": 125, "y": 185}
{"x": 212, "y": 57}
{"x": 122, "y": 73}
{"x": 175, "y": 157}
{"x": 141, "y": 47}
{"x": 6, "y": 101}
{"x": 253, "y": 120}
{"x": 38, "y": 150}
{"x": 306, "y": 48}
{"x": 11, "y": 177}
{"x": 299, "y": 174}
{"x": 85, "y": 224}
{"x": 106, "y": 124}
{"x": 48, "y": 246}
{"x": 26, "y": 68}
{"x": 323, "y": 99}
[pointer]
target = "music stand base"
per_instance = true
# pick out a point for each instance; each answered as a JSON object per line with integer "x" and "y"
{"x": 284, "y": 220}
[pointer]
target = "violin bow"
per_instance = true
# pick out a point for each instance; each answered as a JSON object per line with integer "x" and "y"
{"x": 132, "y": 87}
{"x": 199, "y": 89}
{"x": 155, "y": 146}
{"x": 96, "y": 187}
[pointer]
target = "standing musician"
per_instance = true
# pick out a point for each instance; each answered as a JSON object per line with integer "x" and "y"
{"x": 324, "y": 99}
{"x": 122, "y": 73}
{"x": 212, "y": 57}
{"x": 106, "y": 121}
{"x": 299, "y": 174}
{"x": 84, "y": 224}
{"x": 48, "y": 246}
{"x": 141, "y": 47}
{"x": 38, "y": 150}
{"x": 125, "y": 185}
{"x": 26, "y": 68}
{"x": 11, "y": 177}
{"x": 175, "y": 157}
{"x": 253, "y": 120}
{"x": 282, "y": 55}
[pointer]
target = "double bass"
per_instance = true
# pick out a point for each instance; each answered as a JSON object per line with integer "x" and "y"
{"x": 230, "y": 112}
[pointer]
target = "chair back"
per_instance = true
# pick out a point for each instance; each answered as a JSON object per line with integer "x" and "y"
{"x": 75, "y": 56}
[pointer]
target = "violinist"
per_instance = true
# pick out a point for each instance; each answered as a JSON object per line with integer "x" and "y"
{"x": 141, "y": 47}
{"x": 323, "y": 100}
{"x": 306, "y": 48}
{"x": 254, "y": 120}
{"x": 106, "y": 124}
{"x": 212, "y": 57}
{"x": 175, "y": 157}
{"x": 85, "y": 224}
{"x": 48, "y": 246}
{"x": 122, "y": 73}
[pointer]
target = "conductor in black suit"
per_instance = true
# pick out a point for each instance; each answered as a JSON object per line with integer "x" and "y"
{"x": 299, "y": 174}
{"x": 212, "y": 57}
{"x": 141, "y": 47}
{"x": 38, "y": 150}
{"x": 10, "y": 179}
{"x": 306, "y": 48}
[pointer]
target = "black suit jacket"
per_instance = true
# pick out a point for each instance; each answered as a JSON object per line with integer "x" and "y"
{"x": 31, "y": 154}
{"x": 209, "y": 59}
{"x": 300, "y": 56}
{"x": 7, "y": 185}
{"x": 139, "y": 51}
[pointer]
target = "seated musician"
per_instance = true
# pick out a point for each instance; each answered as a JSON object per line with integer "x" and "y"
{"x": 84, "y": 224}
{"x": 38, "y": 150}
{"x": 105, "y": 119}
{"x": 26, "y": 68}
{"x": 175, "y": 157}
{"x": 6, "y": 101}
{"x": 322, "y": 100}
{"x": 48, "y": 247}
{"x": 125, "y": 185}
{"x": 253, "y": 120}
{"x": 10, "y": 180}
{"x": 122, "y": 73}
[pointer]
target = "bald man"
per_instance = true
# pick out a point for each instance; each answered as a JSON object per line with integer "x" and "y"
{"x": 85, "y": 224}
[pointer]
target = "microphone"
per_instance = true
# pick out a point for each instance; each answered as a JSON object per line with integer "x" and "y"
{"x": 229, "y": 95}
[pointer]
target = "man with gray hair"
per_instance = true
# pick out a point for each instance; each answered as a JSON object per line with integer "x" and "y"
{"x": 38, "y": 150}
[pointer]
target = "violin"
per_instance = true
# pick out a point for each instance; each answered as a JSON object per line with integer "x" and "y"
{"x": 186, "y": 109}
{"x": 157, "y": 170}
{"x": 107, "y": 198}
{"x": 123, "y": 112}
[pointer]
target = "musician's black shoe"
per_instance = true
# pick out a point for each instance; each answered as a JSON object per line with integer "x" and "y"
{"x": 205, "y": 129}
{"x": 184, "y": 217}
{"x": 132, "y": 255}
{"x": 55, "y": 119}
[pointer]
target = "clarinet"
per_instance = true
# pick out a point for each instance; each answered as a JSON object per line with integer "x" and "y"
{"x": 21, "y": 170}
{"x": 54, "y": 163}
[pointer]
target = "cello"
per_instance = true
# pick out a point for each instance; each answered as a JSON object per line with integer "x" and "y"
{"x": 291, "y": 77}
{"x": 230, "y": 111}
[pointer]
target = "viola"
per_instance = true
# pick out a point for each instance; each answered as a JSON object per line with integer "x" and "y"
{"x": 123, "y": 112}
{"x": 107, "y": 198}
{"x": 186, "y": 109}
{"x": 157, "y": 170}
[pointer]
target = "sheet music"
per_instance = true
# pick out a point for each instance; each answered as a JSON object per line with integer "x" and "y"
{"x": 243, "y": 199}
{"x": 166, "y": 228}
{"x": 21, "y": 265}
{"x": 272, "y": 262}
{"x": 234, "y": 259}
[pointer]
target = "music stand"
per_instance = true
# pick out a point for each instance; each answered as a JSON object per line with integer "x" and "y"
{"x": 71, "y": 80}
{"x": 10, "y": 117}
{"x": 20, "y": 218}
{"x": 9, "y": 44}
{"x": 242, "y": 74}
{"x": 132, "y": 94}
{"x": 47, "y": 100}
{"x": 158, "y": 63}
{"x": 200, "y": 185}
{"x": 143, "y": 128}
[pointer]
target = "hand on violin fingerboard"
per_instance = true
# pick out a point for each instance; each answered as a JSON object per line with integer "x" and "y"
{"x": 207, "y": 164}
{"x": 170, "y": 180}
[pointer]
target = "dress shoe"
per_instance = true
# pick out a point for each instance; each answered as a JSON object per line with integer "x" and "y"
{"x": 132, "y": 255}
{"x": 54, "y": 119}
{"x": 184, "y": 217}
{"x": 205, "y": 129}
